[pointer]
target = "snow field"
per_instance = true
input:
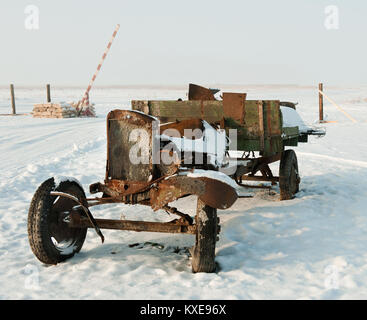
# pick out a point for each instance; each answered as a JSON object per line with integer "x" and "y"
{"x": 312, "y": 247}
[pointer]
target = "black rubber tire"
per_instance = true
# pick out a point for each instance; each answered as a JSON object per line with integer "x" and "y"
{"x": 203, "y": 253}
{"x": 44, "y": 222}
{"x": 288, "y": 175}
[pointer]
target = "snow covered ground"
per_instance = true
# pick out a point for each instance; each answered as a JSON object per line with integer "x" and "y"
{"x": 312, "y": 247}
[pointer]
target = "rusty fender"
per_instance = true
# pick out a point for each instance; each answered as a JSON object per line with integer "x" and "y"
{"x": 212, "y": 192}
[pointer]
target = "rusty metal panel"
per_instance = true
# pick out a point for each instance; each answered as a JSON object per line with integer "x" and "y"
{"x": 174, "y": 226}
{"x": 218, "y": 194}
{"x": 234, "y": 106}
{"x": 212, "y": 192}
{"x": 128, "y": 132}
{"x": 181, "y": 126}
{"x": 200, "y": 93}
{"x": 174, "y": 188}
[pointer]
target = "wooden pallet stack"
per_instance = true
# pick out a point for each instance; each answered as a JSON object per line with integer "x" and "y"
{"x": 58, "y": 110}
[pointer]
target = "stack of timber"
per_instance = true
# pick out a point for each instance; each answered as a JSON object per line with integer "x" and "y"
{"x": 61, "y": 110}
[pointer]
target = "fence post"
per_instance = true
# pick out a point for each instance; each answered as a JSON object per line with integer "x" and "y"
{"x": 12, "y": 99}
{"x": 321, "y": 103}
{"x": 48, "y": 93}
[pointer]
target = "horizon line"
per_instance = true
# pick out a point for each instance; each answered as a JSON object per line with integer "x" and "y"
{"x": 177, "y": 86}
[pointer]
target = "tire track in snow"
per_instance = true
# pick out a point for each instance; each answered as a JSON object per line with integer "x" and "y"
{"x": 56, "y": 163}
{"x": 362, "y": 164}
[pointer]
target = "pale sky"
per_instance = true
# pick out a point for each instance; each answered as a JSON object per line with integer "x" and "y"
{"x": 170, "y": 42}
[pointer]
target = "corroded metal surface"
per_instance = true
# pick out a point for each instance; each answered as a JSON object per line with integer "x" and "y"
{"x": 234, "y": 106}
{"x": 212, "y": 192}
{"x": 126, "y": 187}
{"x": 174, "y": 226}
{"x": 83, "y": 206}
{"x": 174, "y": 188}
{"x": 127, "y": 130}
{"x": 200, "y": 93}
{"x": 179, "y": 128}
{"x": 217, "y": 193}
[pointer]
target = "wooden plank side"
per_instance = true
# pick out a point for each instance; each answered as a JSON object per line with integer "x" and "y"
{"x": 212, "y": 111}
{"x": 271, "y": 146}
{"x": 260, "y": 109}
{"x": 276, "y": 123}
{"x": 261, "y": 129}
{"x": 167, "y": 111}
{"x": 251, "y": 119}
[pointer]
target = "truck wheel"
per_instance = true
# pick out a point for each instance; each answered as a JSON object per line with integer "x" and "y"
{"x": 203, "y": 253}
{"x": 288, "y": 175}
{"x": 50, "y": 237}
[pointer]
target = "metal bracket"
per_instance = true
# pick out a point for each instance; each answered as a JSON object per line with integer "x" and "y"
{"x": 85, "y": 209}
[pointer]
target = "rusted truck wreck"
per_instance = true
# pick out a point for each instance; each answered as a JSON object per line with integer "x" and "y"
{"x": 161, "y": 151}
